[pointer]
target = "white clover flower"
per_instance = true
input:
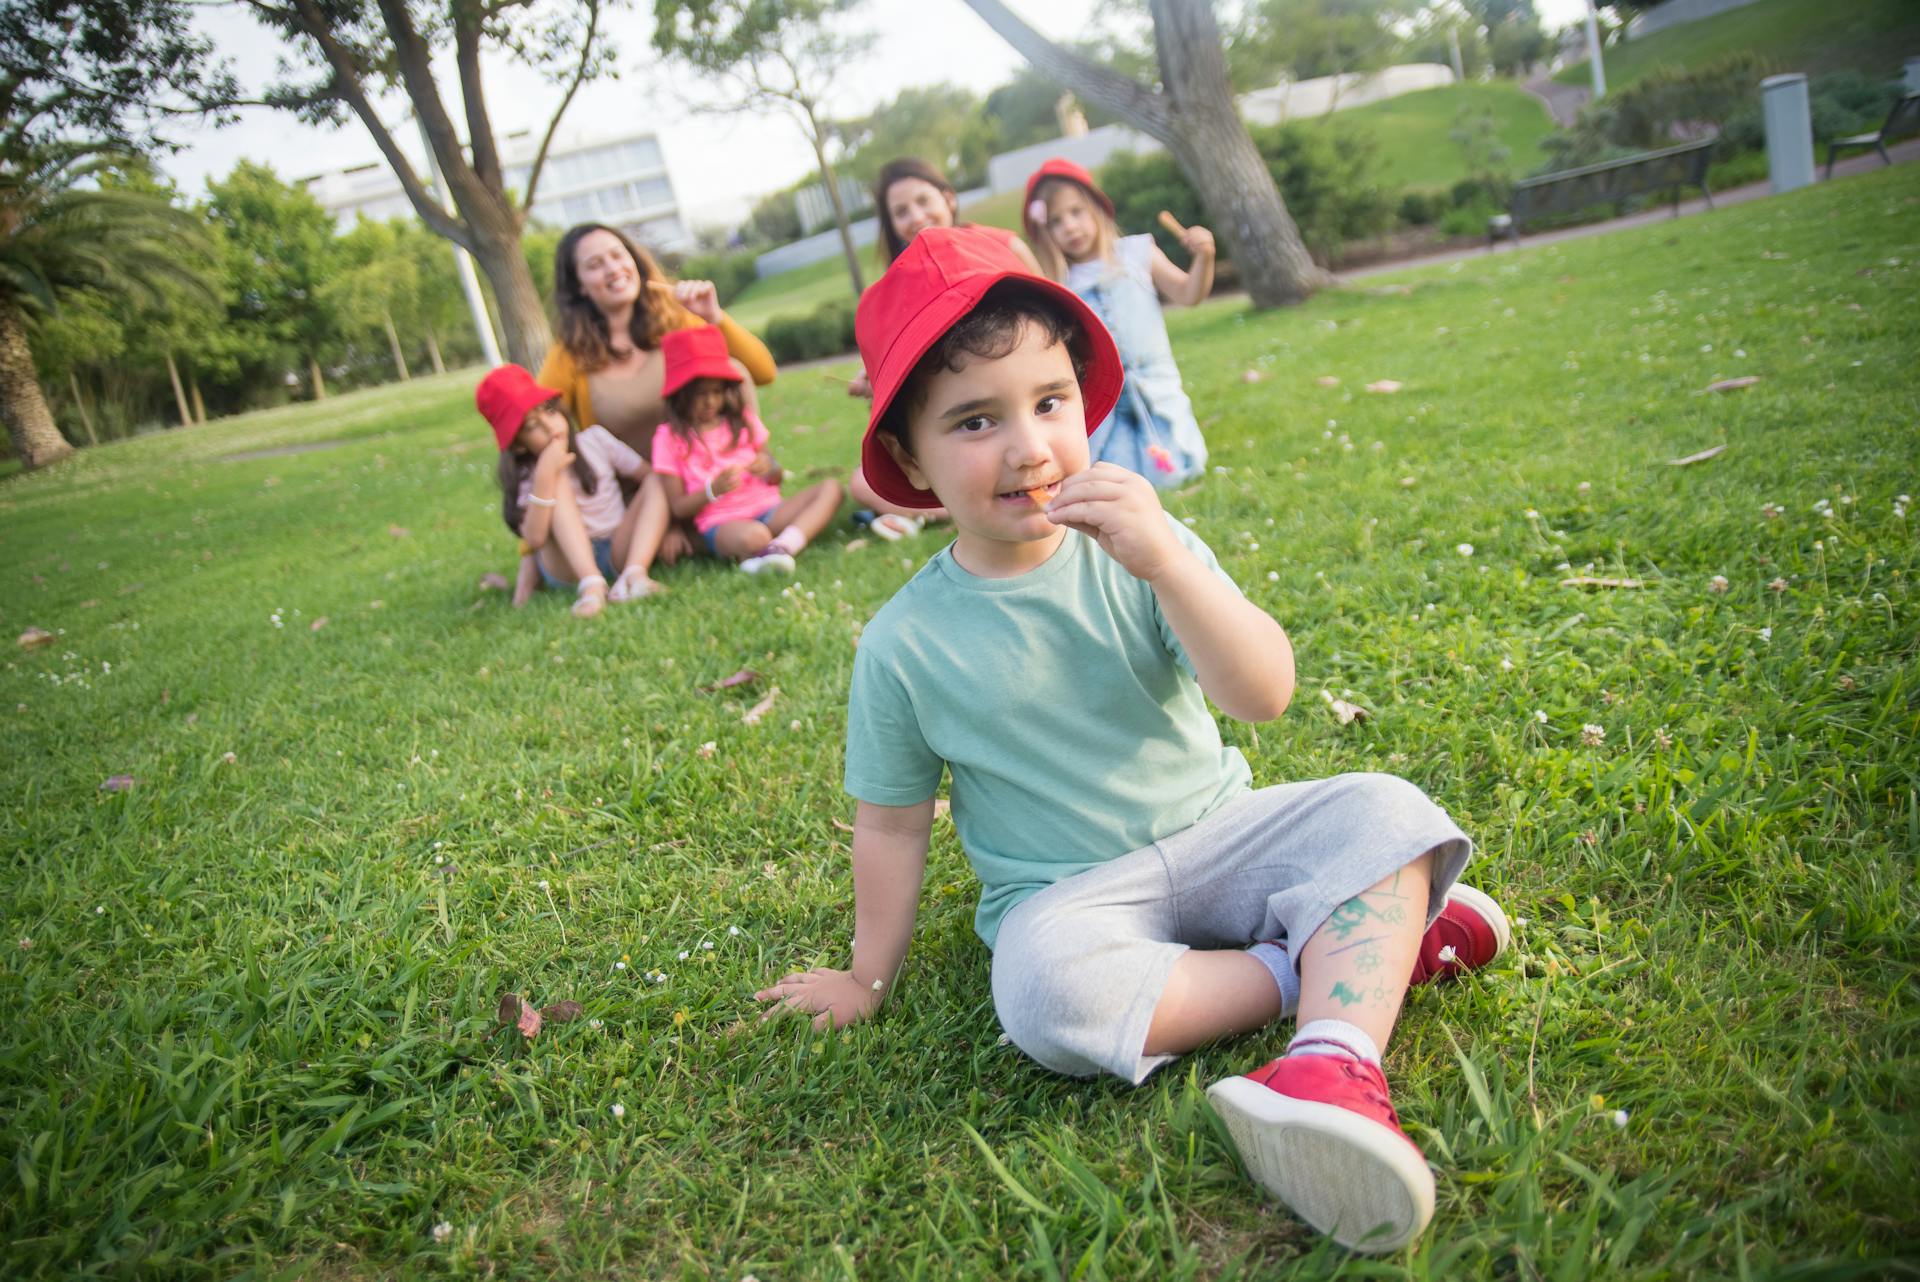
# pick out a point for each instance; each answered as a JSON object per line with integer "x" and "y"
{"x": 1620, "y": 1117}
{"x": 1506, "y": 665}
{"x": 1464, "y": 549}
{"x": 26, "y": 943}
{"x": 660, "y": 977}
{"x": 543, "y": 885}
{"x": 706, "y": 943}
{"x": 1520, "y": 921}
{"x": 619, "y": 1111}
{"x": 99, "y": 910}
{"x": 733, "y": 930}
{"x": 1447, "y": 954}
{"x": 1718, "y": 583}
{"x": 1533, "y": 514}
{"x": 619, "y": 965}
{"x": 1273, "y": 576}
{"x": 442, "y": 1231}
{"x": 1540, "y": 716}
{"x": 595, "y": 1025}
{"x": 1593, "y": 736}
{"x": 683, "y": 954}
{"x": 1766, "y": 634}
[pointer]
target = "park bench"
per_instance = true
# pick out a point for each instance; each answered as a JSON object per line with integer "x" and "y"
{"x": 1907, "y": 110}
{"x": 1611, "y": 182}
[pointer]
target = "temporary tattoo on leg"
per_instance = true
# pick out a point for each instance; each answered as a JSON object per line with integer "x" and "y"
{"x": 1348, "y": 917}
{"x": 1346, "y": 996}
{"x": 1358, "y": 943}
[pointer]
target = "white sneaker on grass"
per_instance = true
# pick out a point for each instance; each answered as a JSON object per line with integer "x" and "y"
{"x": 768, "y": 563}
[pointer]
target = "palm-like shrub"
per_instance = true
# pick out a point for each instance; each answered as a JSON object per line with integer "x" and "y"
{"x": 62, "y": 230}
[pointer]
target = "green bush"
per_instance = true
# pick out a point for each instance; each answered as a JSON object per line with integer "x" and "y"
{"x": 730, "y": 273}
{"x": 1422, "y": 208}
{"x": 825, "y": 331}
{"x": 1324, "y": 175}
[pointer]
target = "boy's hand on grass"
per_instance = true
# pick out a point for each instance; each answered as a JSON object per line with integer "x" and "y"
{"x": 1121, "y": 512}
{"x": 833, "y": 997}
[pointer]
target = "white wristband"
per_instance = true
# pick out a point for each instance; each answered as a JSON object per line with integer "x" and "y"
{"x": 711, "y": 498}
{"x": 537, "y": 501}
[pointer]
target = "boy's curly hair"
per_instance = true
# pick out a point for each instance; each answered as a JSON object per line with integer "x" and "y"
{"x": 989, "y": 332}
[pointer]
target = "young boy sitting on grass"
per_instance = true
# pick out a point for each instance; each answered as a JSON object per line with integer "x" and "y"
{"x": 1140, "y": 898}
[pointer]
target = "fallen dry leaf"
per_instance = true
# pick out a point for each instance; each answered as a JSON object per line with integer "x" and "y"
{"x": 941, "y": 807}
{"x": 740, "y": 678}
{"x": 117, "y": 783}
{"x": 1384, "y": 385}
{"x": 561, "y": 1012}
{"x": 706, "y": 750}
{"x": 523, "y": 1015}
{"x": 318, "y": 623}
{"x": 1327, "y": 380}
{"x": 1733, "y": 384}
{"x": 854, "y": 545}
{"x": 1254, "y": 376}
{"x": 1348, "y": 713}
{"x": 399, "y": 531}
{"x": 843, "y": 825}
{"x": 491, "y": 582}
{"x": 1588, "y": 581}
{"x": 1710, "y": 452}
{"x": 751, "y": 717}
{"x": 33, "y": 638}
{"x": 89, "y": 603}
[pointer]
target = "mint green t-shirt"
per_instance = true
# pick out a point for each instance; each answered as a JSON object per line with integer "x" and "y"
{"x": 1062, "y": 703}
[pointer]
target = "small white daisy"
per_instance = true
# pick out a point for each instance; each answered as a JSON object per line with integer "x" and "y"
{"x": 442, "y": 1231}
{"x": 619, "y": 1111}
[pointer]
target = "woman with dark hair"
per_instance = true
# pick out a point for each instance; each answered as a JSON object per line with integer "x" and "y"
{"x": 614, "y": 305}
{"x": 910, "y": 196}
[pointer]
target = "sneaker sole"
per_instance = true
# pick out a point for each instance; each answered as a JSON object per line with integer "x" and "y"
{"x": 1484, "y": 904}
{"x": 1353, "y": 1180}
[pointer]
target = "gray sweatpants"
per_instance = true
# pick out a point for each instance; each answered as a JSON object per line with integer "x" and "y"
{"x": 1079, "y": 967}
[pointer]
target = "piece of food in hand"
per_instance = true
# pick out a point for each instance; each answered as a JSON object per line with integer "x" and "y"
{"x": 1172, "y": 225}
{"x": 1039, "y": 496}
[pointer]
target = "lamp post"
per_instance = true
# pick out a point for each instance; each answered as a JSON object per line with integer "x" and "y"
{"x": 1593, "y": 52}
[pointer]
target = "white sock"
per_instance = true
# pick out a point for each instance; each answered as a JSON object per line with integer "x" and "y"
{"x": 1280, "y": 966}
{"x": 790, "y": 540}
{"x": 1334, "y": 1037}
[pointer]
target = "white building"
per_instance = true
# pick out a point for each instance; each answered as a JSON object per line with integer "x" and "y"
{"x": 621, "y": 181}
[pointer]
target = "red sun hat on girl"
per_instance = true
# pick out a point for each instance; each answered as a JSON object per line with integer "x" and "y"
{"x": 700, "y": 352}
{"x": 940, "y": 277}
{"x": 505, "y": 396}
{"x": 1061, "y": 167}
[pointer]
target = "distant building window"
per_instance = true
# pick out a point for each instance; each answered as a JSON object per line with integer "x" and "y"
{"x": 617, "y": 199}
{"x": 579, "y": 209}
{"x": 641, "y": 153}
{"x": 652, "y": 192}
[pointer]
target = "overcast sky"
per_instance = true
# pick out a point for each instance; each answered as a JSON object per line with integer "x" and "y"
{"x": 718, "y": 164}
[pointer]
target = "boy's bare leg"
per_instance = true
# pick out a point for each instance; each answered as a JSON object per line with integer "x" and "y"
{"x": 1356, "y": 966}
{"x": 1211, "y": 995}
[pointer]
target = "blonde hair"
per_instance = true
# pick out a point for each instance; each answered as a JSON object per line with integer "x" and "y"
{"x": 1053, "y": 259}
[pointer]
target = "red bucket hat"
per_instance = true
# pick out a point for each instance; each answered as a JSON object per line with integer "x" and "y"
{"x": 700, "y": 352}
{"x": 504, "y": 397}
{"x": 939, "y": 278}
{"x": 1061, "y": 167}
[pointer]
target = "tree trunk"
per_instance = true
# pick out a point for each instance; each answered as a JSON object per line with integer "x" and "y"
{"x": 523, "y": 313}
{"x": 80, "y": 408}
{"x": 393, "y": 342}
{"x": 179, "y": 393}
{"x": 433, "y": 351}
{"x": 36, "y": 441}
{"x": 839, "y": 206}
{"x": 1196, "y": 119}
{"x": 313, "y": 373}
{"x": 199, "y": 405}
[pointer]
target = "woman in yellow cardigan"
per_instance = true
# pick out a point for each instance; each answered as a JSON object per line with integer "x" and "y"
{"x": 614, "y": 304}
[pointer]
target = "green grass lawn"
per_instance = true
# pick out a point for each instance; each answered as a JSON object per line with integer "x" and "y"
{"x": 1873, "y": 36}
{"x": 1413, "y": 132}
{"x": 249, "y": 1000}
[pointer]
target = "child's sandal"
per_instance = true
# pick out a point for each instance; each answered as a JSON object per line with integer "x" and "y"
{"x": 592, "y": 598}
{"x": 632, "y": 585}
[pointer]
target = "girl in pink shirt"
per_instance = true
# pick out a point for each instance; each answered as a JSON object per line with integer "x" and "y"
{"x": 711, "y": 456}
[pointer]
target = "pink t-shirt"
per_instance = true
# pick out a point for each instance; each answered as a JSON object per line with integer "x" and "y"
{"x": 608, "y": 458}
{"x": 699, "y": 462}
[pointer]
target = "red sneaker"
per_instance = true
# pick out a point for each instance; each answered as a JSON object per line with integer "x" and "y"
{"x": 1469, "y": 932}
{"x": 1319, "y": 1133}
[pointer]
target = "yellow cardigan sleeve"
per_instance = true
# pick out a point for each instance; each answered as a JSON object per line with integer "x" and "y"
{"x": 748, "y": 350}
{"x": 562, "y": 373}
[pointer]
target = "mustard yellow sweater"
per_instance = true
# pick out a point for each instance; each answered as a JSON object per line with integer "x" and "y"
{"x": 562, "y": 373}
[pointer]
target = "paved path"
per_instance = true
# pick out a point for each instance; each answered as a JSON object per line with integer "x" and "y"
{"x": 1902, "y": 153}
{"x": 1563, "y": 101}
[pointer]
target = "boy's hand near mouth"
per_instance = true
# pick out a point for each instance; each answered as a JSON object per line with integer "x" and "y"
{"x": 1121, "y": 511}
